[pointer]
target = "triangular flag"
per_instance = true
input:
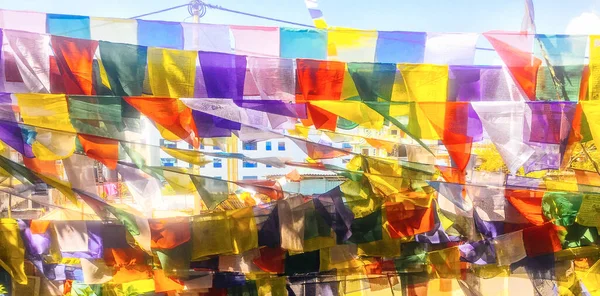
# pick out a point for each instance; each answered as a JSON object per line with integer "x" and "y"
{"x": 516, "y": 51}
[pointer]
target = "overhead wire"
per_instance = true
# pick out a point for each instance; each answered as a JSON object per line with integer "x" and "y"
{"x": 218, "y": 7}
{"x": 159, "y": 11}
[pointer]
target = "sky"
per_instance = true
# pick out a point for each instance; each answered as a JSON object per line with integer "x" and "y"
{"x": 552, "y": 17}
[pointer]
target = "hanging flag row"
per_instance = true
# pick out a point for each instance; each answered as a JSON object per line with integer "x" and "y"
{"x": 341, "y": 44}
{"x": 439, "y": 231}
{"x": 553, "y": 73}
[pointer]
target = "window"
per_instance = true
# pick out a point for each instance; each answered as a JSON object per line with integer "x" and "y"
{"x": 168, "y": 162}
{"x": 269, "y": 166}
{"x": 201, "y": 146}
{"x": 347, "y": 146}
{"x": 399, "y": 151}
{"x": 281, "y": 146}
{"x": 365, "y": 151}
{"x": 190, "y": 146}
{"x": 217, "y": 163}
{"x": 249, "y": 146}
{"x": 167, "y": 143}
{"x": 249, "y": 178}
{"x": 248, "y": 164}
{"x": 216, "y": 148}
{"x": 268, "y": 146}
{"x": 394, "y": 132}
{"x": 218, "y": 177}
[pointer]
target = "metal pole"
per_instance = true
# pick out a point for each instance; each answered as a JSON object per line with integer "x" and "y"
{"x": 10, "y": 199}
{"x": 196, "y": 19}
{"x": 196, "y": 12}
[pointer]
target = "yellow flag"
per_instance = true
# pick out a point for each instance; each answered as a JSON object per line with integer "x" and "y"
{"x": 555, "y": 185}
{"x": 48, "y": 111}
{"x": 189, "y": 156}
{"x": 45, "y": 110}
{"x": 167, "y": 134}
{"x": 386, "y": 247}
{"x": 594, "y": 82}
{"x": 444, "y": 263}
{"x": 63, "y": 186}
{"x": 351, "y": 45}
{"x": 172, "y": 72}
{"x": 138, "y": 287}
{"x": 591, "y": 279}
{"x": 53, "y": 145}
{"x": 271, "y": 286}
{"x": 349, "y": 89}
{"x": 299, "y": 131}
{"x": 355, "y": 111}
{"x": 103, "y": 74}
{"x": 210, "y": 235}
{"x": 242, "y": 226}
{"x": 180, "y": 182}
{"x": 591, "y": 109}
{"x": 12, "y": 250}
{"x": 424, "y": 83}
{"x": 340, "y": 257}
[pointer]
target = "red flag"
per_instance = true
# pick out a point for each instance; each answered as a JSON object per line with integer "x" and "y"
{"x": 319, "y": 80}
{"x": 270, "y": 260}
{"x": 516, "y": 51}
{"x": 540, "y": 240}
{"x": 270, "y": 188}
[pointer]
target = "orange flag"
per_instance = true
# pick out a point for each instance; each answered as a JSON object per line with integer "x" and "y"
{"x": 74, "y": 59}
{"x": 388, "y": 146}
{"x": 293, "y": 176}
{"x": 450, "y": 120}
{"x": 452, "y": 175}
{"x": 44, "y": 167}
{"x": 587, "y": 177}
{"x": 528, "y": 203}
{"x": 163, "y": 283}
{"x": 585, "y": 81}
{"x": 404, "y": 219}
{"x": 103, "y": 150}
{"x": 169, "y": 233}
{"x": 39, "y": 226}
{"x": 574, "y": 137}
{"x": 170, "y": 113}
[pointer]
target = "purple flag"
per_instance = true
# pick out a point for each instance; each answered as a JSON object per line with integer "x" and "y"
{"x": 331, "y": 208}
{"x": 210, "y": 126}
{"x": 10, "y": 131}
{"x": 480, "y": 252}
{"x": 464, "y": 84}
{"x": 224, "y": 74}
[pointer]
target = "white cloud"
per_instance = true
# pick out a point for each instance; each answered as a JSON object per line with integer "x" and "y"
{"x": 585, "y": 24}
